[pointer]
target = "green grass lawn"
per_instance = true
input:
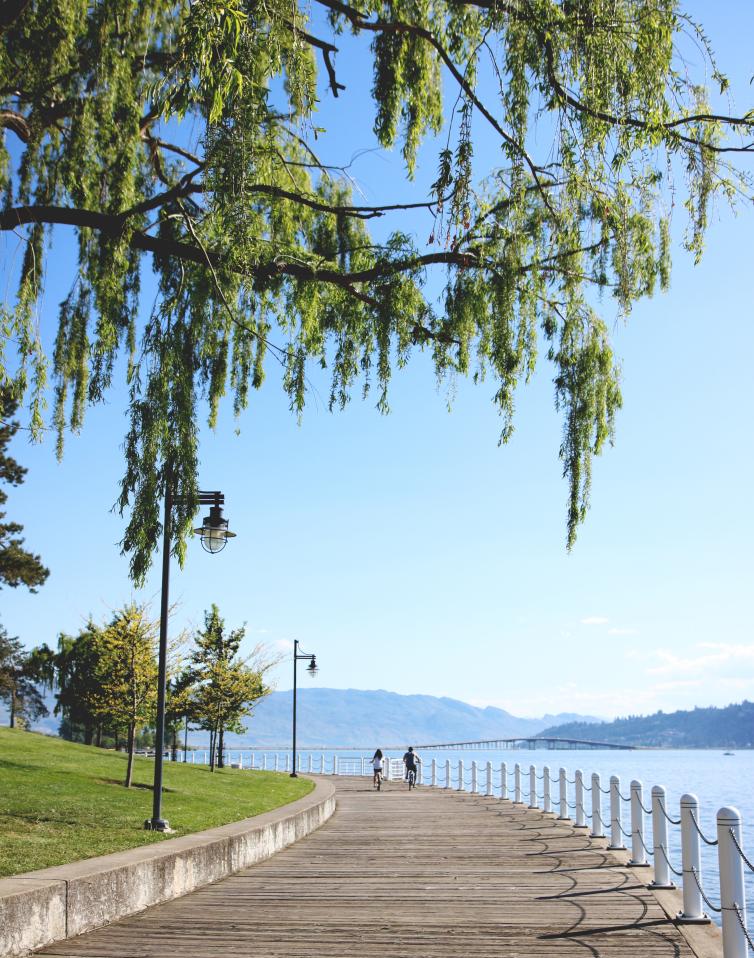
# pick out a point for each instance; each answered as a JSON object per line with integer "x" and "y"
{"x": 61, "y": 802}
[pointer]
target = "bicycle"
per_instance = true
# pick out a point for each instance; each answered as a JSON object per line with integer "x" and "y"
{"x": 411, "y": 778}
{"x": 377, "y": 783}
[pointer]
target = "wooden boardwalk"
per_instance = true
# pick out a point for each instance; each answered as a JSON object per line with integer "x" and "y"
{"x": 430, "y": 874}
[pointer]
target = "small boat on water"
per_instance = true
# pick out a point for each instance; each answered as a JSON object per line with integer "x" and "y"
{"x": 729, "y": 753}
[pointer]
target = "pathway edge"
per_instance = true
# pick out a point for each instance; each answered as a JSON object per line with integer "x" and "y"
{"x": 40, "y": 907}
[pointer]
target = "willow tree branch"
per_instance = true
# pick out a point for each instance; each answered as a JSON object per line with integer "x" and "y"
{"x": 113, "y": 225}
{"x": 632, "y": 121}
{"x": 327, "y": 50}
{"x": 17, "y": 123}
{"x": 359, "y": 21}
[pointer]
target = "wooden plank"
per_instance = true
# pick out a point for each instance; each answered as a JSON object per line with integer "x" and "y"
{"x": 431, "y": 873}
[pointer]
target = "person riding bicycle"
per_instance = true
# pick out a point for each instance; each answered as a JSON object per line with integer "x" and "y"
{"x": 410, "y": 764}
{"x": 377, "y": 766}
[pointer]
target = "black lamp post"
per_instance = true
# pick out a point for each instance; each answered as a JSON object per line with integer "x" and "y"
{"x": 312, "y": 670}
{"x": 214, "y": 534}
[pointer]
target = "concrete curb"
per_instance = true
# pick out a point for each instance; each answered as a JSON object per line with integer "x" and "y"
{"x": 40, "y": 907}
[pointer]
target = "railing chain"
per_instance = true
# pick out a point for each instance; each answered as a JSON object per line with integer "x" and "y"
{"x": 741, "y": 851}
{"x": 737, "y": 910}
{"x": 673, "y": 821}
{"x": 626, "y": 798}
{"x": 669, "y": 863}
{"x": 641, "y": 839}
{"x": 703, "y": 837}
{"x": 701, "y": 892}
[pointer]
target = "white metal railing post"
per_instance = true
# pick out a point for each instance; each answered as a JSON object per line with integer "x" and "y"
{"x": 503, "y": 780}
{"x": 546, "y": 797}
{"x": 580, "y": 816}
{"x": 598, "y": 830}
{"x": 460, "y": 775}
{"x": 563, "y": 795}
{"x": 473, "y": 778}
{"x": 691, "y": 860}
{"x": 433, "y": 773}
{"x": 287, "y": 761}
{"x": 447, "y": 773}
{"x": 732, "y": 890}
{"x": 419, "y": 772}
{"x": 638, "y": 854}
{"x": 277, "y": 762}
{"x": 616, "y": 840}
{"x": 517, "y": 800}
{"x": 489, "y": 778}
{"x": 660, "y": 848}
{"x": 309, "y": 764}
{"x": 334, "y": 764}
{"x": 533, "y": 803}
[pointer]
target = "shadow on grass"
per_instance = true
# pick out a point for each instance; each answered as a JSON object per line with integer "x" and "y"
{"x": 144, "y": 785}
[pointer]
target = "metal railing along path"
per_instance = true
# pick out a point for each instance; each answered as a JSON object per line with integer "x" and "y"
{"x": 504, "y": 783}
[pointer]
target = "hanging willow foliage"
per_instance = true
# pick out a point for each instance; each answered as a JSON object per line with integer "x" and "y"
{"x": 262, "y": 252}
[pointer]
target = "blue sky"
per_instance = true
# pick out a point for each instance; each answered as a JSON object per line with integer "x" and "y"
{"x": 413, "y": 554}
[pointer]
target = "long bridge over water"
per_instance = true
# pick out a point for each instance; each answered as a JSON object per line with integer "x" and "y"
{"x": 489, "y": 745}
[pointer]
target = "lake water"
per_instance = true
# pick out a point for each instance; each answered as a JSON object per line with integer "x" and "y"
{"x": 715, "y": 778}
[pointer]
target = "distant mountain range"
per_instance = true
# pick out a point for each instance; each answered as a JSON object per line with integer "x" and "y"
{"x": 729, "y": 727}
{"x": 355, "y": 717}
{"x": 330, "y": 717}
{"x": 363, "y": 718}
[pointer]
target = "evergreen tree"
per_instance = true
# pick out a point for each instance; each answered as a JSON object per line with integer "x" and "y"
{"x": 77, "y": 666}
{"x": 179, "y": 708}
{"x": 185, "y": 134}
{"x": 18, "y": 682}
{"x": 17, "y": 565}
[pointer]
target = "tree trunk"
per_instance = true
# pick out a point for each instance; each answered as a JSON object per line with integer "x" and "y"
{"x": 88, "y": 734}
{"x": 131, "y": 744}
{"x": 212, "y": 740}
{"x": 174, "y": 746}
{"x": 220, "y": 745}
{"x": 13, "y": 707}
{"x": 117, "y": 739}
{"x": 98, "y": 741}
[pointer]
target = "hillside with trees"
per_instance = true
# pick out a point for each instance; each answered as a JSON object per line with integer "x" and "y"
{"x": 729, "y": 727}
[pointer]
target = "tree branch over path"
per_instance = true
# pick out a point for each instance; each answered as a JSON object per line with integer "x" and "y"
{"x": 189, "y": 133}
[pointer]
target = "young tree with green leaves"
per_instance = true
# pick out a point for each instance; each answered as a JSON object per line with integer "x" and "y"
{"x": 19, "y": 680}
{"x": 17, "y": 565}
{"x": 226, "y": 687}
{"x": 127, "y": 674}
{"x": 184, "y": 137}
